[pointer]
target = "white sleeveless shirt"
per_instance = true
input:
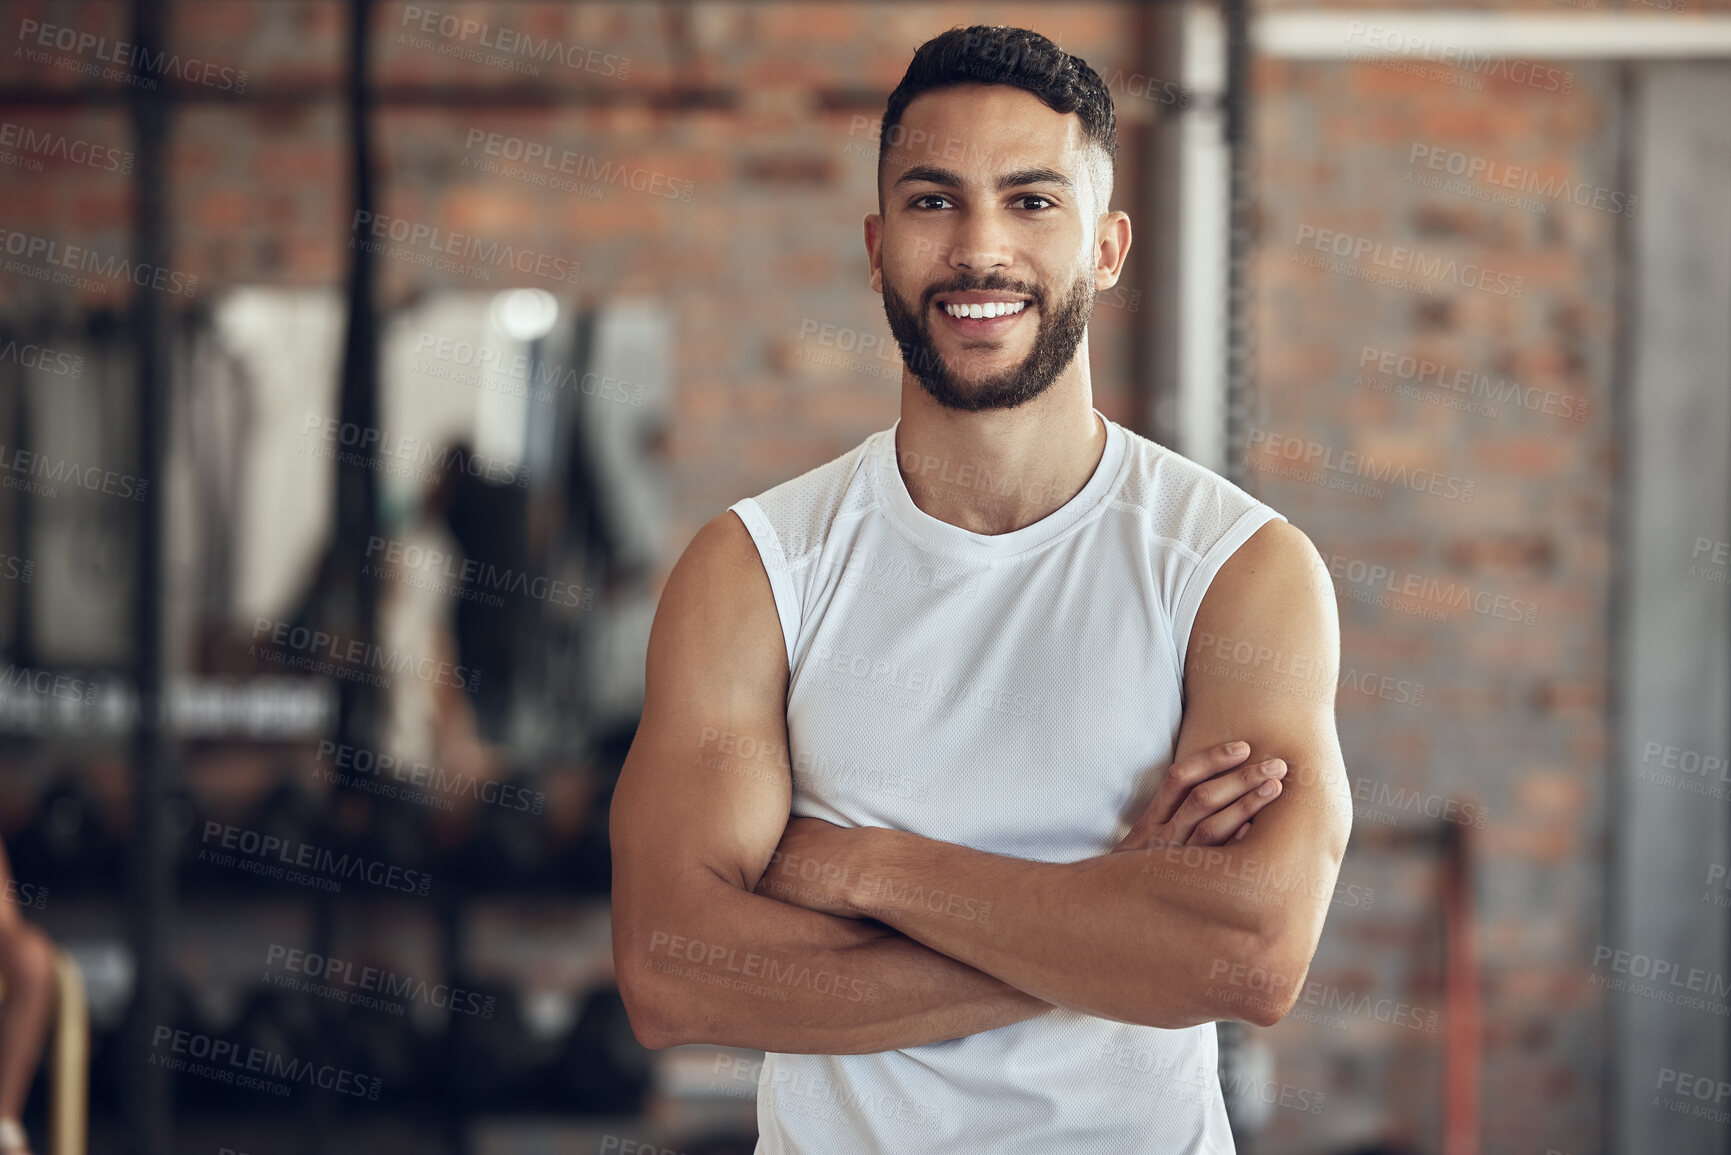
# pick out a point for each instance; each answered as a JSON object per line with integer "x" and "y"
{"x": 1019, "y": 693}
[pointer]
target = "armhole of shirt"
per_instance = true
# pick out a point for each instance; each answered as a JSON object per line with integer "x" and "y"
{"x": 775, "y": 565}
{"x": 1196, "y": 585}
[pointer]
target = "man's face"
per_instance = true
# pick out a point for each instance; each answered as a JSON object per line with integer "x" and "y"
{"x": 988, "y": 208}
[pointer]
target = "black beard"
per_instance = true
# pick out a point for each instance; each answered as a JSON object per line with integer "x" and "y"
{"x": 1055, "y": 345}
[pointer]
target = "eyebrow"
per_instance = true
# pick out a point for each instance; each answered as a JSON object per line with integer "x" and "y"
{"x": 935, "y": 174}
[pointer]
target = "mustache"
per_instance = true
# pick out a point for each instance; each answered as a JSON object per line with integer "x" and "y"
{"x": 993, "y": 284}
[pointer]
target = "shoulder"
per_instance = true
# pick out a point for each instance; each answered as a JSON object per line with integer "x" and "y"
{"x": 716, "y": 633}
{"x": 1274, "y": 589}
{"x": 1180, "y": 500}
{"x": 719, "y": 573}
{"x": 1278, "y": 553}
{"x": 798, "y": 511}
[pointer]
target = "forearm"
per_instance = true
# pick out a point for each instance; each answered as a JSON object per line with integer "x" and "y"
{"x": 742, "y": 969}
{"x": 27, "y": 966}
{"x": 1126, "y": 936}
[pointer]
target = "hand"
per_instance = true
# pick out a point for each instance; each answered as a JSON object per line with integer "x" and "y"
{"x": 1204, "y": 801}
{"x": 810, "y": 866}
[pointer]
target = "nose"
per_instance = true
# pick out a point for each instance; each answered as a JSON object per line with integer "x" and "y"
{"x": 979, "y": 244}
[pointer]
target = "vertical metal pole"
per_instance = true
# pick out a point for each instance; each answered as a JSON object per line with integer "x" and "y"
{"x": 1156, "y": 254}
{"x": 357, "y": 475}
{"x": 1614, "y": 835}
{"x": 1239, "y": 322}
{"x": 1236, "y": 18}
{"x": 150, "y": 880}
{"x": 353, "y": 599}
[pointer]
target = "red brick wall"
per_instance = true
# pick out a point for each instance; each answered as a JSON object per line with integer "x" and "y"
{"x": 757, "y": 106}
{"x": 1512, "y": 715}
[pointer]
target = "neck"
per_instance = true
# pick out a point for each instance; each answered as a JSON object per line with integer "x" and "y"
{"x": 998, "y": 470}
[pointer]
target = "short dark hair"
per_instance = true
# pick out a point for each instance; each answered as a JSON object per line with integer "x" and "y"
{"x": 994, "y": 54}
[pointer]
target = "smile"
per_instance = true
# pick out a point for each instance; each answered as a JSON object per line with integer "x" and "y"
{"x": 986, "y": 311}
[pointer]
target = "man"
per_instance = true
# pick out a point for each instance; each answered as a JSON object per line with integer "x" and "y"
{"x": 27, "y": 998}
{"x": 936, "y": 797}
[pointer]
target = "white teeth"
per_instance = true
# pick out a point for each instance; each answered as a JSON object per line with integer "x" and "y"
{"x": 982, "y": 312}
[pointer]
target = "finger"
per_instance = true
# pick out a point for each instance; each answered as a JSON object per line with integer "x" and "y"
{"x": 1223, "y": 827}
{"x": 1186, "y": 773}
{"x": 1218, "y": 793}
{"x": 1211, "y": 797}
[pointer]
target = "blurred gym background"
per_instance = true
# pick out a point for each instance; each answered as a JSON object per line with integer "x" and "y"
{"x": 364, "y": 367}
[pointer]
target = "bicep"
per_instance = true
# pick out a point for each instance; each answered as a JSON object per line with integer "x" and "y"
{"x": 706, "y": 785}
{"x": 1261, "y": 665}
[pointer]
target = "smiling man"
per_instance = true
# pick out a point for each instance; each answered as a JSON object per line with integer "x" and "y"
{"x": 943, "y": 794}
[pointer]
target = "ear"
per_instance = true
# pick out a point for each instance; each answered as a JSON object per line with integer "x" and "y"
{"x": 1112, "y": 248}
{"x": 874, "y": 240}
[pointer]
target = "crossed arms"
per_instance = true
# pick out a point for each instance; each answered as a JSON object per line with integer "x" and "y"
{"x": 734, "y": 925}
